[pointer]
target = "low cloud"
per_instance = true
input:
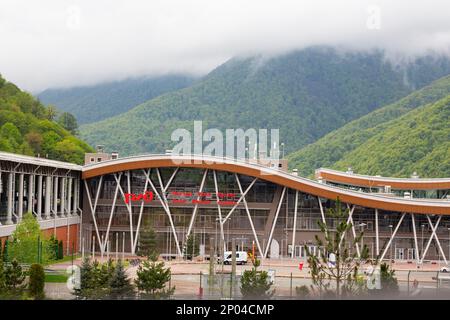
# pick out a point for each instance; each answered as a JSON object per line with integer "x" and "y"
{"x": 55, "y": 43}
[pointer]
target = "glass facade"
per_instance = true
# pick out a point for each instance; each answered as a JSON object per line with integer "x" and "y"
{"x": 263, "y": 199}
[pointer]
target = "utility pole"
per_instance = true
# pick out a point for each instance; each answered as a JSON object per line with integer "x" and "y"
{"x": 233, "y": 265}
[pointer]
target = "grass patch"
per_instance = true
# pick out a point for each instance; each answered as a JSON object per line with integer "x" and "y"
{"x": 56, "y": 278}
{"x": 65, "y": 259}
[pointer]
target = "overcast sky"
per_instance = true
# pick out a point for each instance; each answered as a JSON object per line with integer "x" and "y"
{"x": 61, "y": 43}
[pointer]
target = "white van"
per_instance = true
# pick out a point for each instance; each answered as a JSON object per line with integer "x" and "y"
{"x": 241, "y": 257}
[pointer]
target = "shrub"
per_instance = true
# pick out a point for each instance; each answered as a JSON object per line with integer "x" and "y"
{"x": 37, "y": 281}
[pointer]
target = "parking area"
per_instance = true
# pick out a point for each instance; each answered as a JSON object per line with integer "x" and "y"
{"x": 192, "y": 280}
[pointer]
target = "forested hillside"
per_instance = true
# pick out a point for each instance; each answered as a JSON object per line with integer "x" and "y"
{"x": 98, "y": 102}
{"x": 305, "y": 94}
{"x": 418, "y": 141}
{"x": 28, "y": 127}
{"x": 342, "y": 142}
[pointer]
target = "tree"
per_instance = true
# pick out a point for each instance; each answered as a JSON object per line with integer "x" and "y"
{"x": 5, "y": 253}
{"x": 68, "y": 122}
{"x": 119, "y": 283}
{"x": 152, "y": 278}
{"x": 50, "y": 139}
{"x": 256, "y": 284}
{"x": 34, "y": 140}
{"x": 69, "y": 150}
{"x": 87, "y": 281}
{"x": 147, "y": 242}
{"x": 10, "y": 132}
{"x": 192, "y": 247}
{"x": 53, "y": 248}
{"x": 51, "y": 112}
{"x": 37, "y": 281}
{"x": 2, "y": 278}
{"x": 27, "y": 241}
{"x": 388, "y": 280}
{"x": 60, "y": 250}
{"x": 339, "y": 262}
{"x": 302, "y": 292}
{"x": 14, "y": 279}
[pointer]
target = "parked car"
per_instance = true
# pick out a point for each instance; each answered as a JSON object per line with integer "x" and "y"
{"x": 445, "y": 269}
{"x": 241, "y": 257}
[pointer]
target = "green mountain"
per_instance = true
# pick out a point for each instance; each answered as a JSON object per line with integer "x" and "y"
{"x": 305, "y": 94}
{"x": 27, "y": 127}
{"x": 336, "y": 149}
{"x": 93, "y": 103}
{"x": 418, "y": 141}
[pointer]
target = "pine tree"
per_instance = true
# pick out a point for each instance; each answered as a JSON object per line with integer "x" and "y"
{"x": 87, "y": 280}
{"x": 256, "y": 284}
{"x": 37, "y": 281}
{"x": 152, "y": 278}
{"x": 192, "y": 247}
{"x": 53, "y": 248}
{"x": 388, "y": 280}
{"x": 147, "y": 242}
{"x": 119, "y": 283}
{"x": 14, "y": 279}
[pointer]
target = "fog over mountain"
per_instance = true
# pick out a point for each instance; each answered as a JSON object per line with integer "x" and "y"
{"x": 54, "y": 43}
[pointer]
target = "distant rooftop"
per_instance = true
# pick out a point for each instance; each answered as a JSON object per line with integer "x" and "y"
{"x": 7, "y": 156}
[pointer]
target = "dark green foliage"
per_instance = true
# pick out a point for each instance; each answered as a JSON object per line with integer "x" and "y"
{"x": 68, "y": 122}
{"x": 2, "y": 279}
{"x": 95, "y": 279}
{"x": 14, "y": 280}
{"x": 343, "y": 147}
{"x": 418, "y": 141}
{"x": 302, "y": 292}
{"x": 94, "y": 103}
{"x": 87, "y": 280}
{"x": 53, "y": 248}
{"x": 343, "y": 268}
{"x": 256, "y": 284}
{"x": 119, "y": 283}
{"x": 27, "y": 127}
{"x": 37, "y": 281}
{"x": 147, "y": 241}
{"x": 152, "y": 278}
{"x": 5, "y": 253}
{"x": 388, "y": 279}
{"x": 60, "y": 250}
{"x": 192, "y": 247}
{"x": 305, "y": 94}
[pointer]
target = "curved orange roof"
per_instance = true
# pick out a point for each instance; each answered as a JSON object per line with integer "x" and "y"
{"x": 377, "y": 181}
{"x": 428, "y": 206}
